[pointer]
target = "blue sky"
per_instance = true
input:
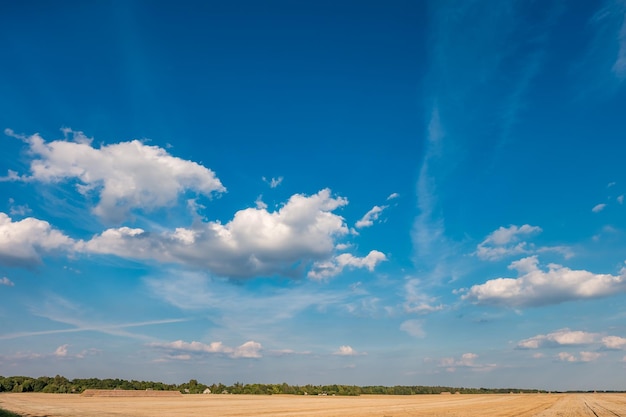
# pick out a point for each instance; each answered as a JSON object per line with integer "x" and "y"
{"x": 419, "y": 193}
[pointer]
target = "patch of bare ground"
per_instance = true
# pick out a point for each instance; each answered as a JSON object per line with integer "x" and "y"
{"x": 509, "y": 405}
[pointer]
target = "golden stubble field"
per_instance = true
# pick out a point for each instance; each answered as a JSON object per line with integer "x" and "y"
{"x": 522, "y": 405}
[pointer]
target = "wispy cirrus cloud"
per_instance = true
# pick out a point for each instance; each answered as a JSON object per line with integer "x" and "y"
{"x": 75, "y": 318}
{"x": 598, "y": 207}
{"x": 417, "y": 301}
{"x": 619, "y": 66}
{"x": 6, "y": 282}
{"x": 414, "y": 328}
{"x": 273, "y": 182}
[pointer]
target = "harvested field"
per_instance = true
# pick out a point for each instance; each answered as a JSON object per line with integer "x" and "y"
{"x": 520, "y": 405}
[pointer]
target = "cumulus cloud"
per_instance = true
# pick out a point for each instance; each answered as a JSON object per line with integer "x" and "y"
{"x": 583, "y": 357}
{"x": 535, "y": 287}
{"x": 413, "y": 328}
{"x": 562, "y": 337}
{"x": 467, "y": 360}
{"x": 61, "y": 351}
{"x": 418, "y": 302}
{"x": 124, "y": 176}
{"x": 6, "y": 282}
{"x": 333, "y": 267}
{"x": 370, "y": 217}
{"x": 255, "y": 242}
{"x": 181, "y": 350}
{"x": 22, "y": 243}
{"x": 505, "y": 241}
{"x": 614, "y": 342}
{"x": 598, "y": 208}
{"x": 346, "y": 350}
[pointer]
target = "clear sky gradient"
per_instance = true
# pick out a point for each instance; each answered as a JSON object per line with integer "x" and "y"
{"x": 391, "y": 192}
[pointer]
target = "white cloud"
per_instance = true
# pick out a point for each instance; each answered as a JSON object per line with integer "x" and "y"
{"x": 614, "y": 342}
{"x": 535, "y": 287}
{"x": 589, "y": 356}
{"x": 413, "y": 328}
{"x": 61, "y": 351}
{"x": 393, "y": 196}
{"x": 7, "y": 282}
{"x": 584, "y": 357}
{"x": 259, "y": 203}
{"x": 467, "y": 360}
{"x": 18, "y": 210}
{"x": 428, "y": 228}
{"x": 563, "y": 337}
{"x": 125, "y": 175}
{"x": 289, "y": 352}
{"x": 598, "y": 208}
{"x": 274, "y": 182}
{"x": 370, "y": 217}
{"x": 250, "y": 349}
{"x": 22, "y": 243}
{"x": 619, "y": 66}
{"x": 330, "y": 268}
{"x": 566, "y": 357}
{"x": 505, "y": 241}
{"x": 418, "y": 302}
{"x": 346, "y": 350}
{"x": 620, "y": 199}
{"x": 255, "y": 242}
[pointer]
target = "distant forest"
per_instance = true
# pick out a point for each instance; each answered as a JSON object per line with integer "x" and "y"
{"x": 60, "y": 384}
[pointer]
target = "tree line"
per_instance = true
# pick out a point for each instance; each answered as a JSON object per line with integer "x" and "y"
{"x": 60, "y": 384}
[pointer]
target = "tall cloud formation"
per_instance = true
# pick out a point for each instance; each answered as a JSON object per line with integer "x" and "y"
{"x": 535, "y": 287}
{"x": 125, "y": 176}
{"x": 255, "y": 242}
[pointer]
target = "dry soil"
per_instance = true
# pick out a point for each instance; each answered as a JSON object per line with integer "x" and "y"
{"x": 509, "y": 405}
